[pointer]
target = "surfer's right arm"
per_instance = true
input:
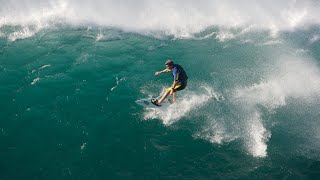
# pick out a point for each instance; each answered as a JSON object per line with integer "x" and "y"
{"x": 163, "y": 71}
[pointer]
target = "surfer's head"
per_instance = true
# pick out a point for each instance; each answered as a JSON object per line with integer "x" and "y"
{"x": 169, "y": 64}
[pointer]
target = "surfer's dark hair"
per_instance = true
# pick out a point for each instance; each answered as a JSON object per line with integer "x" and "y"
{"x": 169, "y": 63}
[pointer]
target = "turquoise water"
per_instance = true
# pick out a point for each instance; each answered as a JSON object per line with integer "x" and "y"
{"x": 250, "y": 111}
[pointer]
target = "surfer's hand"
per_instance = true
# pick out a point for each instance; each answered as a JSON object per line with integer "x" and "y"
{"x": 157, "y": 73}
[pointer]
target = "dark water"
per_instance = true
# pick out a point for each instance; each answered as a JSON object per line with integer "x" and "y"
{"x": 250, "y": 111}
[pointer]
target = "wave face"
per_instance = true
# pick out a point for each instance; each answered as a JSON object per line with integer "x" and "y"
{"x": 181, "y": 18}
{"x": 70, "y": 72}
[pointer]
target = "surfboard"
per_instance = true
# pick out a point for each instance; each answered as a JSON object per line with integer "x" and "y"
{"x": 148, "y": 104}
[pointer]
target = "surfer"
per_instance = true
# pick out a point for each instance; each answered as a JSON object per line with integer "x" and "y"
{"x": 179, "y": 81}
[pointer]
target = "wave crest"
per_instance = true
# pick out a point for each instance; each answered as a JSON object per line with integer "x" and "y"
{"x": 179, "y": 18}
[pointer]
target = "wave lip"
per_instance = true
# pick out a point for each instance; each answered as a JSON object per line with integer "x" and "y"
{"x": 181, "y": 19}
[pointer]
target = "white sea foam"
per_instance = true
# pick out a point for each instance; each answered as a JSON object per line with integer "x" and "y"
{"x": 21, "y": 34}
{"x": 314, "y": 38}
{"x": 216, "y": 131}
{"x": 83, "y": 146}
{"x": 188, "y": 102}
{"x": 293, "y": 77}
{"x": 100, "y": 36}
{"x": 223, "y": 36}
{"x": 108, "y": 36}
{"x": 35, "y": 81}
{"x": 117, "y": 83}
{"x": 181, "y": 18}
{"x": 44, "y": 66}
{"x": 296, "y": 77}
{"x": 271, "y": 42}
{"x": 301, "y": 51}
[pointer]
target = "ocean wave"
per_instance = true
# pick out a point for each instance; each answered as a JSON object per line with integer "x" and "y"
{"x": 181, "y": 19}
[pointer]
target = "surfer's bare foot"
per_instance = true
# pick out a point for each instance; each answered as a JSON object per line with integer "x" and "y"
{"x": 155, "y": 102}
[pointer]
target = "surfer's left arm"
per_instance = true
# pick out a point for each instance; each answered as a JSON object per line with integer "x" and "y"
{"x": 163, "y": 71}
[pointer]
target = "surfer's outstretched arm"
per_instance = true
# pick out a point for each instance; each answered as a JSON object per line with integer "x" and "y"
{"x": 163, "y": 71}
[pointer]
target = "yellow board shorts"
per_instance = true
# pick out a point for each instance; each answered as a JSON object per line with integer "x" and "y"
{"x": 178, "y": 87}
{"x": 175, "y": 87}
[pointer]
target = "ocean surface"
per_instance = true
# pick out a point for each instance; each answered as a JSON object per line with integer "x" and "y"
{"x": 71, "y": 71}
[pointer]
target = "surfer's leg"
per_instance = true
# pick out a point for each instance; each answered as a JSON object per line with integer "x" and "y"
{"x": 174, "y": 96}
{"x": 164, "y": 96}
